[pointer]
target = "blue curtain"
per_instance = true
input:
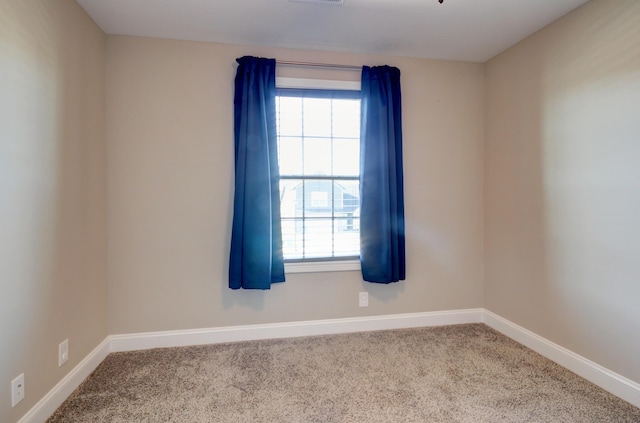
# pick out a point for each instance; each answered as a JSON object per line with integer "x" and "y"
{"x": 256, "y": 241}
{"x": 382, "y": 236}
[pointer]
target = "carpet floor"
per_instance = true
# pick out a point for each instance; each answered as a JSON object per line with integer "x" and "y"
{"x": 462, "y": 373}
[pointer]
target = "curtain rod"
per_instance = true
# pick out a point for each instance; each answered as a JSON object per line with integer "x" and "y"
{"x": 319, "y": 65}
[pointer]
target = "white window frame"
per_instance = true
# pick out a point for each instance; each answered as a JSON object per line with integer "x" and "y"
{"x": 320, "y": 266}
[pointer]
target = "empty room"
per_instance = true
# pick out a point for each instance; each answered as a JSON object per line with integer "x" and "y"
{"x": 319, "y": 211}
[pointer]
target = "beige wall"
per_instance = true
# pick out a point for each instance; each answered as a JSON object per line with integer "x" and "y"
{"x": 52, "y": 193}
{"x": 170, "y": 167}
{"x": 527, "y": 164}
{"x": 563, "y": 184}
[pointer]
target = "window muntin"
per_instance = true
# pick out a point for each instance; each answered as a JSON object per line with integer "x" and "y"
{"x": 319, "y": 160}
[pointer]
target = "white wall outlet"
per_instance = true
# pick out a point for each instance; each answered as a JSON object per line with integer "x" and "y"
{"x": 363, "y": 299}
{"x": 17, "y": 390}
{"x": 63, "y": 352}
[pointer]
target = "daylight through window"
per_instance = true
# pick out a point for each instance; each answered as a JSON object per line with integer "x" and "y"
{"x": 319, "y": 160}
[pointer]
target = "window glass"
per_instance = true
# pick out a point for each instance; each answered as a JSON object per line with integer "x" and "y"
{"x": 290, "y": 116}
{"x": 317, "y": 156}
{"x": 319, "y": 160}
{"x": 316, "y": 114}
{"x": 343, "y": 154}
{"x": 290, "y": 152}
{"x": 346, "y": 118}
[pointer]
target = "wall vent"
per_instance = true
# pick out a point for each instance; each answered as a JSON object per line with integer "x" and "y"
{"x": 332, "y": 2}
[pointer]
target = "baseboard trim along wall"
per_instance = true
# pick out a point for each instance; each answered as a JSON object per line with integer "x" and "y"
{"x": 141, "y": 341}
{"x": 606, "y": 379}
{"x": 610, "y": 381}
{"x": 48, "y": 404}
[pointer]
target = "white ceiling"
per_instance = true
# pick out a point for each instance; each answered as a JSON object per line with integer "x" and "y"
{"x": 471, "y": 30}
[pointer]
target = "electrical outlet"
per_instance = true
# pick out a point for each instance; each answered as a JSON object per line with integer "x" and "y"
{"x": 363, "y": 299}
{"x": 17, "y": 390}
{"x": 63, "y": 352}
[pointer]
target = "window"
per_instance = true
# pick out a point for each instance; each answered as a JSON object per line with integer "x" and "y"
{"x": 319, "y": 160}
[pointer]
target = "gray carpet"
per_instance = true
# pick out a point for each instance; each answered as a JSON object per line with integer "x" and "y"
{"x": 463, "y": 373}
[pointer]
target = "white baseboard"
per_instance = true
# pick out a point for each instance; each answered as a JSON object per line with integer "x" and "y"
{"x": 610, "y": 381}
{"x": 142, "y": 341}
{"x": 606, "y": 379}
{"x": 44, "y": 408}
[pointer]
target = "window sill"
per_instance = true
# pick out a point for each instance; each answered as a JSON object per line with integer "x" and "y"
{"x": 322, "y": 266}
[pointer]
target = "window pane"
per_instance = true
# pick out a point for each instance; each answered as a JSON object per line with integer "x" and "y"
{"x": 317, "y": 198}
{"x": 289, "y": 112}
{"x": 317, "y": 117}
{"x": 290, "y": 155}
{"x": 292, "y": 238}
{"x": 317, "y": 156}
{"x": 347, "y": 197}
{"x": 346, "y": 118}
{"x": 346, "y": 236}
{"x": 320, "y": 199}
{"x": 319, "y": 137}
{"x": 290, "y": 198}
{"x": 346, "y": 157}
{"x": 319, "y": 239}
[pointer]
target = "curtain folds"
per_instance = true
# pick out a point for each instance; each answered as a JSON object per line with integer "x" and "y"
{"x": 382, "y": 230}
{"x": 256, "y": 259}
